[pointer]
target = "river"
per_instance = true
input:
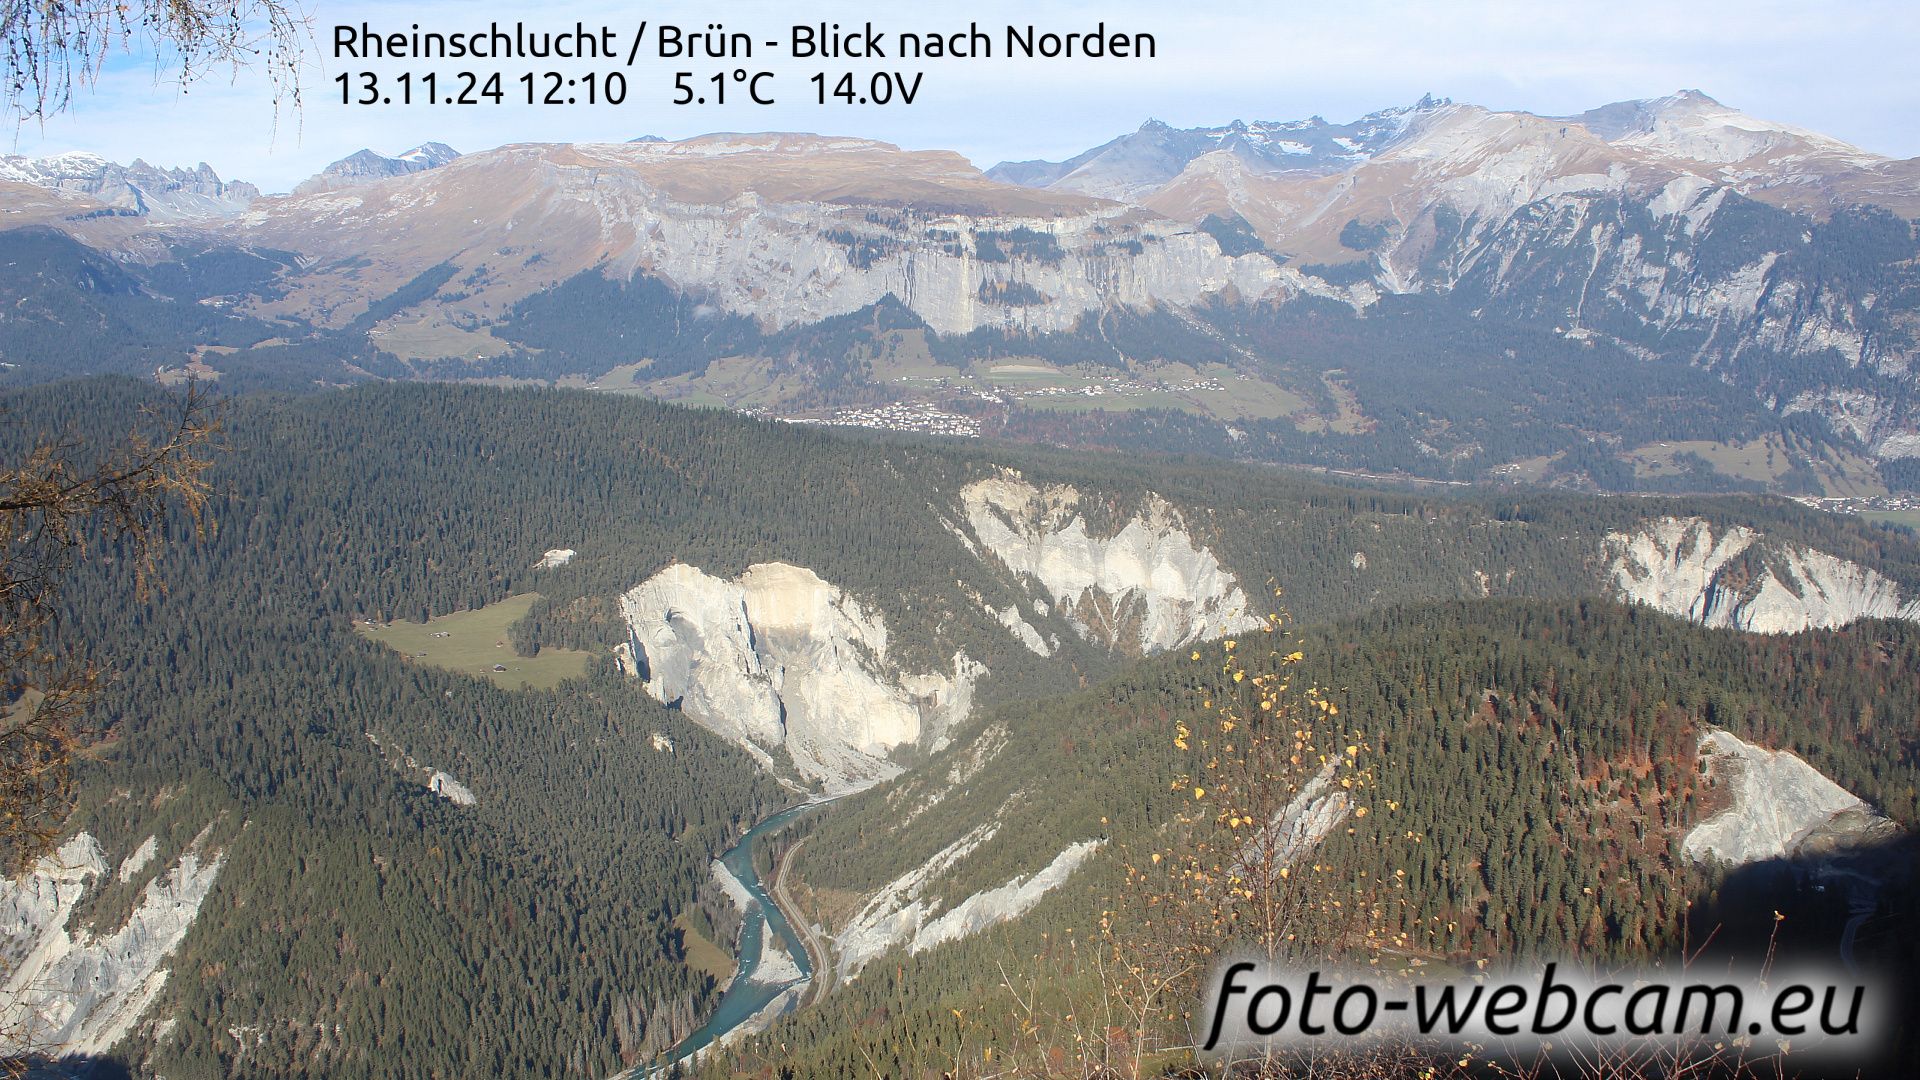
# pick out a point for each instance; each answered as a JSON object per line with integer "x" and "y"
{"x": 745, "y": 997}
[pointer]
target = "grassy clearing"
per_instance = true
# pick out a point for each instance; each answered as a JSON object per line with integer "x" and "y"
{"x": 428, "y": 337}
{"x": 702, "y": 954}
{"x": 1105, "y": 402}
{"x": 737, "y": 382}
{"x": 476, "y": 641}
{"x": 1027, "y": 374}
{"x": 1247, "y": 399}
{"x": 1764, "y": 460}
{"x": 1348, "y": 419}
{"x": 1906, "y": 519}
{"x": 904, "y": 354}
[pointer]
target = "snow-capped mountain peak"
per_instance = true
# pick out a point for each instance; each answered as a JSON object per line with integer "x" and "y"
{"x": 138, "y": 189}
{"x": 1692, "y": 126}
{"x": 367, "y": 166}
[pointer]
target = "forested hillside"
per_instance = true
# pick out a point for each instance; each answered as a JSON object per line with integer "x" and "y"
{"x": 1532, "y": 773}
{"x": 420, "y": 872}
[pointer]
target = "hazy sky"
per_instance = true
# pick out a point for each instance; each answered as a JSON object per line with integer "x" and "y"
{"x": 1845, "y": 70}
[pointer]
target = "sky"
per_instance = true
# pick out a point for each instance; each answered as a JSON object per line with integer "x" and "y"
{"x": 1843, "y": 70}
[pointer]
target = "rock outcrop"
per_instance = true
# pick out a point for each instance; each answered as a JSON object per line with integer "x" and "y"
{"x": 554, "y": 557}
{"x": 1147, "y": 588}
{"x": 778, "y": 659}
{"x": 444, "y": 785}
{"x": 1782, "y": 807}
{"x": 1739, "y": 580}
{"x": 73, "y": 990}
{"x": 901, "y": 912}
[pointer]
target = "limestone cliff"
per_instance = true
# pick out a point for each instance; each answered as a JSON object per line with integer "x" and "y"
{"x": 901, "y": 913}
{"x": 789, "y": 229}
{"x": 1782, "y": 806}
{"x": 779, "y": 659}
{"x": 1738, "y": 580}
{"x": 76, "y": 990}
{"x": 1148, "y": 588}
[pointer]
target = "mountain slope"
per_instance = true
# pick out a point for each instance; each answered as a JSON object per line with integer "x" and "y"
{"x": 1703, "y": 277}
{"x": 1533, "y": 787}
{"x": 529, "y": 867}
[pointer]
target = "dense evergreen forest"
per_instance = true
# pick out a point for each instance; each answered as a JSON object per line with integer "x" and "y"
{"x": 363, "y": 925}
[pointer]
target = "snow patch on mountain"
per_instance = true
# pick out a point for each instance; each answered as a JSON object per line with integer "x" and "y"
{"x": 1738, "y": 580}
{"x": 1148, "y": 588}
{"x": 1782, "y": 806}
{"x": 366, "y": 167}
{"x": 140, "y": 189}
{"x": 74, "y": 990}
{"x": 1137, "y": 163}
{"x": 780, "y": 659}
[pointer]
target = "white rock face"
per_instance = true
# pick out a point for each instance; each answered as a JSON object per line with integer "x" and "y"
{"x": 1010, "y": 618}
{"x": 779, "y": 658}
{"x": 445, "y": 786}
{"x": 1146, "y": 589}
{"x": 76, "y": 992}
{"x": 1781, "y": 806}
{"x": 1009, "y": 901}
{"x": 624, "y": 661}
{"x": 138, "y": 861}
{"x": 555, "y": 557}
{"x": 780, "y": 227}
{"x": 1299, "y": 826}
{"x": 898, "y": 913}
{"x": 895, "y": 912}
{"x": 1679, "y": 566}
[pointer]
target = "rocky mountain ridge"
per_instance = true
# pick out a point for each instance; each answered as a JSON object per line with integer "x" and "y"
{"x": 139, "y": 189}
{"x": 1771, "y": 266}
{"x": 367, "y": 166}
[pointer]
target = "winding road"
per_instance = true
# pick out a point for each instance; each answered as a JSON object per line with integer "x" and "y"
{"x": 817, "y": 956}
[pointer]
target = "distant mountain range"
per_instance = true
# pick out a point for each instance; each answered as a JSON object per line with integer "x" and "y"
{"x": 1663, "y": 293}
{"x": 138, "y": 189}
{"x": 1135, "y": 165}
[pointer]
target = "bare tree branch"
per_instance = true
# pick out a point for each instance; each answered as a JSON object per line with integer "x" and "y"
{"x": 54, "y": 47}
{"x": 51, "y": 507}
